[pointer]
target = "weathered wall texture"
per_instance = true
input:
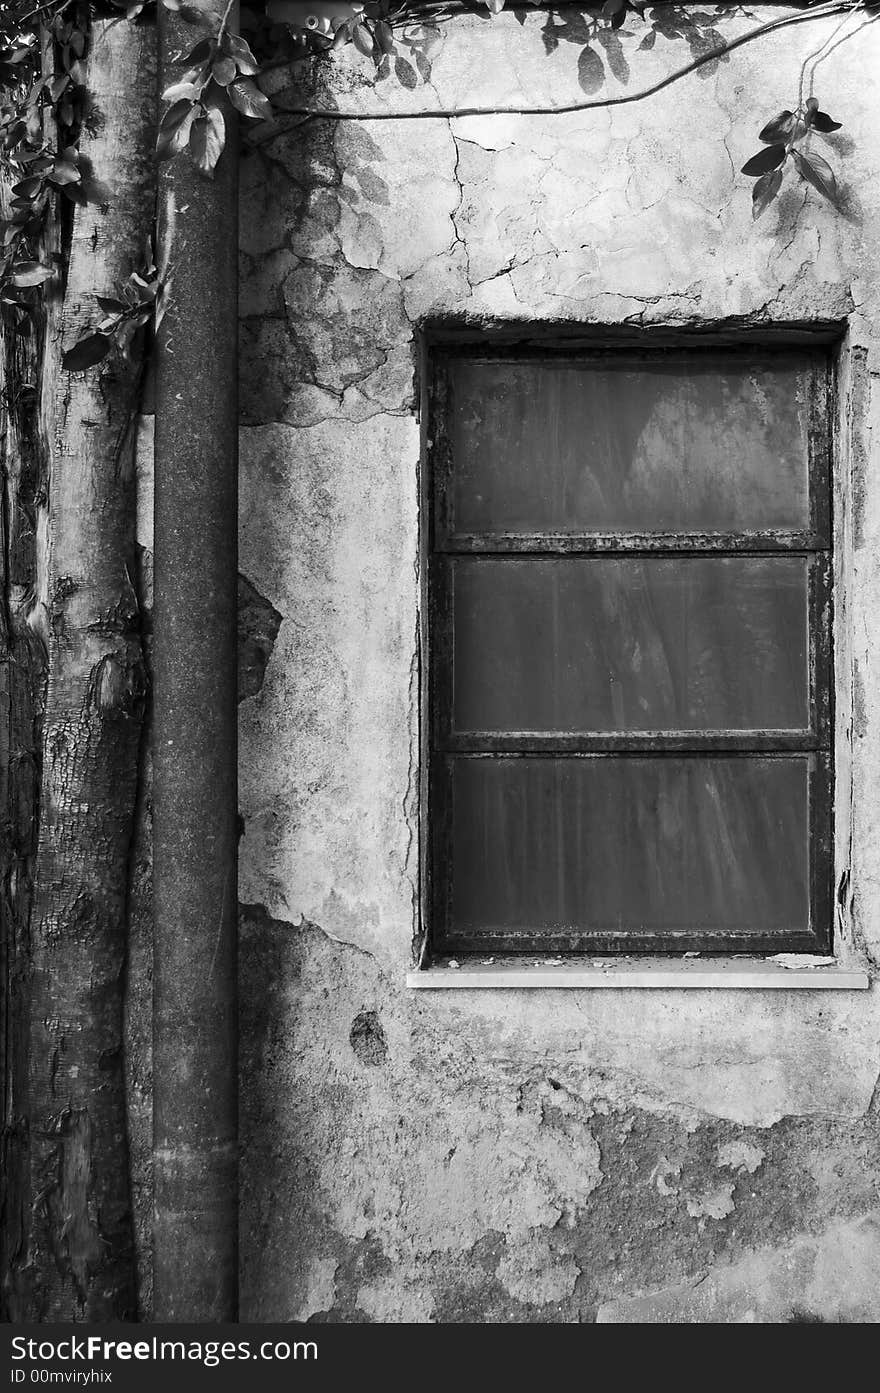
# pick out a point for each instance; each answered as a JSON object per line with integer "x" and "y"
{"x": 550, "y": 1155}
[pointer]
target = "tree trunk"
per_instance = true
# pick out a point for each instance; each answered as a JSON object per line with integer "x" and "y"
{"x": 79, "y": 1259}
{"x": 22, "y": 664}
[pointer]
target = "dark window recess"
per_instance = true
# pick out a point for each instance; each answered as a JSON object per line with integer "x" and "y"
{"x": 629, "y": 651}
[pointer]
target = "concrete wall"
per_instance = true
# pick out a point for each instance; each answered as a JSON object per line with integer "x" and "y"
{"x": 555, "y": 1155}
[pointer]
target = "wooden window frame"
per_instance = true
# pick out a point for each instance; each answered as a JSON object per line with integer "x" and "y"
{"x": 439, "y": 541}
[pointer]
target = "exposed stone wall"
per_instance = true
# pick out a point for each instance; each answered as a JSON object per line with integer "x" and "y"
{"x": 550, "y": 1155}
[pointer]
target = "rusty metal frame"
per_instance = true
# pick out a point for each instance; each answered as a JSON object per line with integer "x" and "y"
{"x": 440, "y": 542}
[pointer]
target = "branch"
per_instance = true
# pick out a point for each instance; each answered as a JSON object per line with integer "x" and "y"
{"x": 442, "y": 114}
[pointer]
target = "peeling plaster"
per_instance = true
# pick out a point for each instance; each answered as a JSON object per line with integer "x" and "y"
{"x": 535, "y": 1275}
{"x": 832, "y": 1280}
{"x": 320, "y": 1289}
{"x": 739, "y": 1155}
{"x": 715, "y": 1203}
{"x": 258, "y": 625}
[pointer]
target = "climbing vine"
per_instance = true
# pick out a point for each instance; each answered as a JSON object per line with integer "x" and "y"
{"x": 37, "y": 167}
{"x": 46, "y": 103}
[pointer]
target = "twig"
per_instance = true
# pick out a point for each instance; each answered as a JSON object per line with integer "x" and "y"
{"x": 826, "y": 52}
{"x": 813, "y": 57}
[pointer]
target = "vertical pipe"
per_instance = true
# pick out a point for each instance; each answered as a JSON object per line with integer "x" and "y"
{"x": 195, "y": 798}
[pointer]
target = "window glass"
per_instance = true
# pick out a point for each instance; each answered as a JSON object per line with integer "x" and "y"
{"x": 608, "y": 844}
{"x": 636, "y": 644}
{"x": 700, "y": 444}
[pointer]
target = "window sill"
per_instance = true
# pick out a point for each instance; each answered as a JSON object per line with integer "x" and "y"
{"x": 739, "y": 974}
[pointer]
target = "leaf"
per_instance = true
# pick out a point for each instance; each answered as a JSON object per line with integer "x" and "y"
{"x": 206, "y": 140}
{"x": 614, "y": 55}
{"x": 363, "y": 40}
{"x": 27, "y": 273}
{"x": 202, "y": 53}
{"x": 28, "y": 187}
{"x": 181, "y": 91}
{"x": 817, "y": 172}
{"x": 198, "y": 75}
{"x": 175, "y": 114}
{"x": 247, "y": 98}
{"x": 191, "y": 14}
{"x": 144, "y": 290}
{"x": 342, "y": 35}
{"x": 171, "y": 141}
{"x": 405, "y": 73}
{"x": 239, "y": 50}
{"x": 385, "y": 36}
{"x": 823, "y": 122}
{"x": 86, "y": 353}
{"x": 428, "y": 38}
{"x": 109, "y": 305}
{"x": 64, "y": 173}
{"x": 765, "y": 190}
{"x": 649, "y": 40}
{"x": 591, "y": 73}
{"x": 764, "y": 161}
{"x": 494, "y": 6}
{"x": 198, "y": 145}
{"x": 780, "y": 128}
{"x": 224, "y": 71}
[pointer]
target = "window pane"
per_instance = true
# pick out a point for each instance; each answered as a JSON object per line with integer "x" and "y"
{"x": 691, "y": 443}
{"x": 602, "y": 644}
{"x": 610, "y": 844}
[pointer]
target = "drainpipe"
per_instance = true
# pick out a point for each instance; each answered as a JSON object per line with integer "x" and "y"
{"x": 195, "y": 1039}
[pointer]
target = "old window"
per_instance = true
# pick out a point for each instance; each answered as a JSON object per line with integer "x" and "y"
{"x": 629, "y": 651}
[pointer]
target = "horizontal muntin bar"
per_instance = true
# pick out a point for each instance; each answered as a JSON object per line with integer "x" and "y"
{"x": 658, "y": 544}
{"x": 505, "y": 742}
{"x": 635, "y": 751}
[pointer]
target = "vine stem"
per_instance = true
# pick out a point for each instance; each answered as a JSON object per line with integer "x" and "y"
{"x": 826, "y": 52}
{"x": 813, "y": 57}
{"x": 566, "y": 108}
{"x": 39, "y": 9}
{"x": 225, "y": 20}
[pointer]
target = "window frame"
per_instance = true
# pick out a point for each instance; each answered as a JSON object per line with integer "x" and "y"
{"x": 439, "y": 542}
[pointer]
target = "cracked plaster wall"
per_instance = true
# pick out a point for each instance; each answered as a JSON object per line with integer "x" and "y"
{"x": 524, "y": 1156}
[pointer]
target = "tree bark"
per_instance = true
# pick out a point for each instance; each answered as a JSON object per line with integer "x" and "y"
{"x": 79, "y": 1259}
{"x": 22, "y": 665}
